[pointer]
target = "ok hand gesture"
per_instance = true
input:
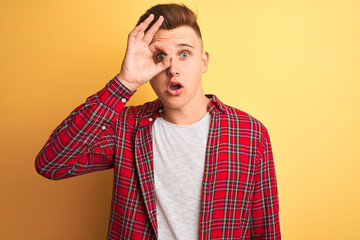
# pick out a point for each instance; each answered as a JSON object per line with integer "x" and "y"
{"x": 139, "y": 65}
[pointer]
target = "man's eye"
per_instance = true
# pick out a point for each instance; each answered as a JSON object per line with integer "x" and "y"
{"x": 161, "y": 56}
{"x": 184, "y": 54}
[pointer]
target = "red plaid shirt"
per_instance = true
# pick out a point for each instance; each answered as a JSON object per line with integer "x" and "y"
{"x": 239, "y": 193}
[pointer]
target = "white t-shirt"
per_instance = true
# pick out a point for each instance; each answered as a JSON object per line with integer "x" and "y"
{"x": 179, "y": 155}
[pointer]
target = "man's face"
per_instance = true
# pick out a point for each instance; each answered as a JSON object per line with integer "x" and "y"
{"x": 179, "y": 86}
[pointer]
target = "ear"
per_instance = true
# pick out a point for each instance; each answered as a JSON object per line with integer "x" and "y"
{"x": 205, "y": 61}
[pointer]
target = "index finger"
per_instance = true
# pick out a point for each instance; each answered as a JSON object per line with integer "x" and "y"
{"x": 156, "y": 47}
{"x": 154, "y": 28}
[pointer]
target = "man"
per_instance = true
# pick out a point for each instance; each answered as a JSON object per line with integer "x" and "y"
{"x": 186, "y": 166}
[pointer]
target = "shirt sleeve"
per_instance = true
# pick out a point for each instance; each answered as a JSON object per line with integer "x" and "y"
{"x": 265, "y": 205}
{"x": 84, "y": 141}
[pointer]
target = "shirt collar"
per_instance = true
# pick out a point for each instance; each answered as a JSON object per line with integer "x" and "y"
{"x": 155, "y": 109}
{"x": 215, "y": 106}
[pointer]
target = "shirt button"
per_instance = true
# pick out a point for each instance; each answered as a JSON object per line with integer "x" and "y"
{"x": 160, "y": 111}
{"x": 123, "y": 100}
{"x": 150, "y": 119}
{"x": 103, "y": 127}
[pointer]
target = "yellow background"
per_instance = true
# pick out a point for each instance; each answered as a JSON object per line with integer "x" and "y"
{"x": 293, "y": 64}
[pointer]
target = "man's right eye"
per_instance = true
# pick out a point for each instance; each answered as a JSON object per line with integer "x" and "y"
{"x": 161, "y": 57}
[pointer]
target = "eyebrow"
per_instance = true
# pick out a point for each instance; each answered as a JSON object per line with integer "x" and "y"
{"x": 185, "y": 45}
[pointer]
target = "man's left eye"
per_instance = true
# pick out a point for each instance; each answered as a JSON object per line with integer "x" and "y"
{"x": 184, "y": 54}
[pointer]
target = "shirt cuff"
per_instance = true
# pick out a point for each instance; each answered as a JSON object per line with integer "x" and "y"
{"x": 115, "y": 95}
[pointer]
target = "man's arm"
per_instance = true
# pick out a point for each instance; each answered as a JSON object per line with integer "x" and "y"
{"x": 84, "y": 141}
{"x": 265, "y": 204}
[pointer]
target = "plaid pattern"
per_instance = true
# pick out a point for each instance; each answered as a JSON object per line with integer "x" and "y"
{"x": 239, "y": 194}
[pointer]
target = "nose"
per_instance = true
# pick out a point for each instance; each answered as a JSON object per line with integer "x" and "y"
{"x": 173, "y": 70}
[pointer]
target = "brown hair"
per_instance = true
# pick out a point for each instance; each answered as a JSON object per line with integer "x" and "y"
{"x": 175, "y": 15}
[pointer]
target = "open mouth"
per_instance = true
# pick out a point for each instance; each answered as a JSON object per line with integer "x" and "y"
{"x": 175, "y": 86}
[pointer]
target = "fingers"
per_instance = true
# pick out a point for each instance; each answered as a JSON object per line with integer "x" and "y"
{"x": 164, "y": 64}
{"x": 138, "y": 31}
{"x": 157, "y": 47}
{"x": 154, "y": 28}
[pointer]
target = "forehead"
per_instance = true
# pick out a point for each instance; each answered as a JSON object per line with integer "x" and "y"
{"x": 176, "y": 36}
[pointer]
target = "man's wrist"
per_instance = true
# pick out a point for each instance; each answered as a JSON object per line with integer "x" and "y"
{"x": 129, "y": 85}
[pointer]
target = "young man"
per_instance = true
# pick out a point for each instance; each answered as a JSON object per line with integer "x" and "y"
{"x": 186, "y": 166}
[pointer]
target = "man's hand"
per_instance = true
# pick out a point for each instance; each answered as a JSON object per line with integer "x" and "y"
{"x": 139, "y": 65}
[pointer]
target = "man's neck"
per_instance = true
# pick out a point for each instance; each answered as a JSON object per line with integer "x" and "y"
{"x": 188, "y": 114}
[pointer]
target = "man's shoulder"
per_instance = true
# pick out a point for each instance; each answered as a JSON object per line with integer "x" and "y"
{"x": 245, "y": 125}
{"x": 243, "y": 116}
{"x": 240, "y": 118}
